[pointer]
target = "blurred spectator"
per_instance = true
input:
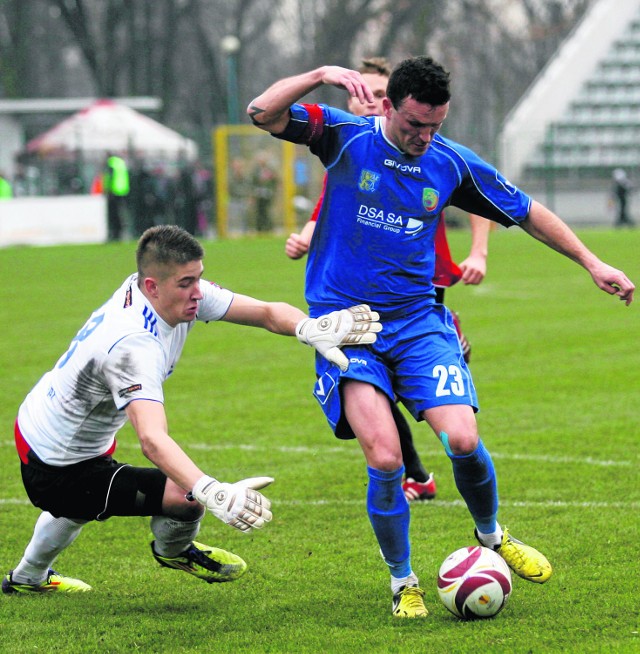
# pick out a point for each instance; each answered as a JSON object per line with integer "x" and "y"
{"x": 621, "y": 190}
{"x": 115, "y": 183}
{"x": 6, "y": 192}
{"x": 238, "y": 195}
{"x": 203, "y": 181}
{"x": 185, "y": 198}
{"x": 26, "y": 180}
{"x": 70, "y": 181}
{"x": 142, "y": 198}
{"x": 264, "y": 181}
{"x": 163, "y": 190}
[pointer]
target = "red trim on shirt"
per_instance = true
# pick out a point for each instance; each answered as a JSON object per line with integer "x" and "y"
{"x": 24, "y": 448}
{"x": 21, "y": 445}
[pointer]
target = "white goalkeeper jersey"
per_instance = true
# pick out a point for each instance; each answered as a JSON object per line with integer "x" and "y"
{"x": 124, "y": 352}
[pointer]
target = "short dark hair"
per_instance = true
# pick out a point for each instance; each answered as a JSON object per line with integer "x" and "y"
{"x": 375, "y": 66}
{"x": 166, "y": 245}
{"x": 421, "y": 78}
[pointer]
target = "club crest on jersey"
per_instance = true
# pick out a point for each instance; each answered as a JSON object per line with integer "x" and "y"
{"x": 368, "y": 180}
{"x": 430, "y": 198}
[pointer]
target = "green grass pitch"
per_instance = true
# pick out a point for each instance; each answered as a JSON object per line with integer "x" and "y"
{"x": 555, "y": 362}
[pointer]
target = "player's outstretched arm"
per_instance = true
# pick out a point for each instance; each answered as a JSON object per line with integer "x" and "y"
{"x": 544, "y": 225}
{"x": 327, "y": 334}
{"x": 239, "y": 504}
{"x": 270, "y": 110}
{"x": 474, "y": 267}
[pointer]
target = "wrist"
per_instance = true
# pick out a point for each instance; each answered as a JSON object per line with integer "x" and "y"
{"x": 201, "y": 488}
{"x": 300, "y": 330}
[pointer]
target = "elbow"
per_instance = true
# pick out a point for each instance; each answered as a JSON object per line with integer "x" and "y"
{"x": 257, "y": 115}
{"x": 148, "y": 447}
{"x": 265, "y": 119}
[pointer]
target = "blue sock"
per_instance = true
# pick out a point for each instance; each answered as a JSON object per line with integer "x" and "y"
{"x": 388, "y": 511}
{"x": 475, "y": 478}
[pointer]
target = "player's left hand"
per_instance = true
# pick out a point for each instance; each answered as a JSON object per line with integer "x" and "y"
{"x": 296, "y": 246}
{"x": 474, "y": 269}
{"x": 614, "y": 282}
{"x": 239, "y": 505}
{"x": 328, "y": 333}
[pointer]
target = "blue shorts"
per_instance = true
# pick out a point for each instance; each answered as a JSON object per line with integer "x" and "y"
{"x": 416, "y": 359}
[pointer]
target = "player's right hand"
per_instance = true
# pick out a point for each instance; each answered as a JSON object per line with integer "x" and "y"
{"x": 296, "y": 247}
{"x": 239, "y": 505}
{"x": 328, "y": 333}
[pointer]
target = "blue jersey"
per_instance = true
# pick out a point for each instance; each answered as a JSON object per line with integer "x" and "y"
{"x": 374, "y": 239}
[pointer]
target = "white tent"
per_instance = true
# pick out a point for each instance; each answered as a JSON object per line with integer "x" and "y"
{"x": 106, "y": 126}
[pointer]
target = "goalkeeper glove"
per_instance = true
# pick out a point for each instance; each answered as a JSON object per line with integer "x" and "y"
{"x": 239, "y": 504}
{"x": 356, "y": 325}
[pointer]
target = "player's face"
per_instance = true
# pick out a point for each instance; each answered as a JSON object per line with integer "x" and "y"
{"x": 378, "y": 86}
{"x": 176, "y": 296}
{"x": 413, "y": 125}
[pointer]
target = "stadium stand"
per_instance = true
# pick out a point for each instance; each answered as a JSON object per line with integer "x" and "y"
{"x": 580, "y": 119}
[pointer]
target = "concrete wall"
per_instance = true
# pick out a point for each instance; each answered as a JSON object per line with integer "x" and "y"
{"x": 577, "y": 208}
{"x": 584, "y": 207}
{"x": 53, "y": 220}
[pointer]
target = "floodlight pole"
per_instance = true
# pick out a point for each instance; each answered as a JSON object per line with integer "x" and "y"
{"x": 230, "y": 45}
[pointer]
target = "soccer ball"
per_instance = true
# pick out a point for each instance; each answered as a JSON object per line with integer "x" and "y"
{"x": 474, "y": 582}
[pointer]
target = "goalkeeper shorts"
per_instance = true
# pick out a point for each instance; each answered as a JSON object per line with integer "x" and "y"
{"x": 95, "y": 489}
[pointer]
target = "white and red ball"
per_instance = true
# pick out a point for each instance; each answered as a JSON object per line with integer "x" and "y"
{"x": 474, "y": 582}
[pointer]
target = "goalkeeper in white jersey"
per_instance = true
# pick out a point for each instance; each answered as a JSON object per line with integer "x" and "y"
{"x": 113, "y": 371}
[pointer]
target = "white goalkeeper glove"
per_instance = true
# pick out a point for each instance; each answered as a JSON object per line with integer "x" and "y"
{"x": 327, "y": 334}
{"x": 239, "y": 505}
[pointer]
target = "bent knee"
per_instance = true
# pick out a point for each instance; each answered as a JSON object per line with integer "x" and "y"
{"x": 459, "y": 443}
{"x": 176, "y": 505}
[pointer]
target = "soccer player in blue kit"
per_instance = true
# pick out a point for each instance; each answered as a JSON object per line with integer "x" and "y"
{"x": 388, "y": 179}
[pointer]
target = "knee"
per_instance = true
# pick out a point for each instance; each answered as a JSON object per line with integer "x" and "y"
{"x": 184, "y": 511}
{"x": 383, "y": 457}
{"x": 176, "y": 505}
{"x": 459, "y": 442}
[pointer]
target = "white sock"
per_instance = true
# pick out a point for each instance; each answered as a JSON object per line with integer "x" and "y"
{"x": 492, "y": 540}
{"x": 50, "y": 536}
{"x": 397, "y": 583}
{"x": 173, "y": 536}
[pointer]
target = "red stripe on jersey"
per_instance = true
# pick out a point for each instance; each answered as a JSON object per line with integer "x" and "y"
{"x": 447, "y": 272}
{"x": 316, "y": 211}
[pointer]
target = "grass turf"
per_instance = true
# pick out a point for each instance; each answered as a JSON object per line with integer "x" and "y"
{"x": 555, "y": 364}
